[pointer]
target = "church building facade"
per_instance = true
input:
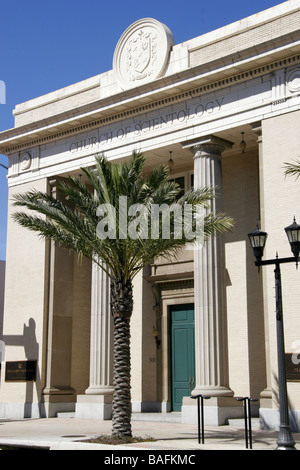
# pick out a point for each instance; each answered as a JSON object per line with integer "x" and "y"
{"x": 224, "y": 109}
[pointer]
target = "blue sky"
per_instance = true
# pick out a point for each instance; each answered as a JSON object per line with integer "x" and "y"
{"x": 49, "y": 44}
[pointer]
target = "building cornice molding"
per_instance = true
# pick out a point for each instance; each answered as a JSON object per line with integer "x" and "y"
{"x": 19, "y": 138}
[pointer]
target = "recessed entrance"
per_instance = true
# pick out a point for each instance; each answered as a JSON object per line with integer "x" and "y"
{"x": 182, "y": 353}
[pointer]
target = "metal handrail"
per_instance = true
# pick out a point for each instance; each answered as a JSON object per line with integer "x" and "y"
{"x": 247, "y": 417}
{"x": 200, "y": 407}
{"x": 247, "y": 411}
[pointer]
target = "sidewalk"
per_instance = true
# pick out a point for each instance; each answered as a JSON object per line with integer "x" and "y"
{"x": 67, "y": 434}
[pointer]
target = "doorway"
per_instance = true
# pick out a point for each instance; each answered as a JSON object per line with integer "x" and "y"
{"x": 182, "y": 353}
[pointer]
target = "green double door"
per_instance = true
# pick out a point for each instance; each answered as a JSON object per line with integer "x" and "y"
{"x": 182, "y": 353}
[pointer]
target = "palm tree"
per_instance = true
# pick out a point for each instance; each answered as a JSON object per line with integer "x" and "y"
{"x": 91, "y": 221}
{"x": 293, "y": 169}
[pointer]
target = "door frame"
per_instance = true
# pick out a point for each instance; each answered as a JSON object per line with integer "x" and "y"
{"x": 183, "y": 294}
{"x": 190, "y": 348}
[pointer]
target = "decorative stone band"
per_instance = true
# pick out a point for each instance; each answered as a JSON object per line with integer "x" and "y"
{"x": 10, "y": 147}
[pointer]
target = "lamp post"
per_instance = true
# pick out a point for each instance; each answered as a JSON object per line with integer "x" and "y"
{"x": 258, "y": 239}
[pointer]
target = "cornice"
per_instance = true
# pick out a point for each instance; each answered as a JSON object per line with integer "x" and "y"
{"x": 22, "y": 138}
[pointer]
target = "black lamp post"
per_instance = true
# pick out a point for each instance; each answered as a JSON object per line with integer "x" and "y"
{"x": 258, "y": 240}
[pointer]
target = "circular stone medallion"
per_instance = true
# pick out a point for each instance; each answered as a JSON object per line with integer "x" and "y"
{"x": 294, "y": 81}
{"x": 142, "y": 53}
{"x": 25, "y": 161}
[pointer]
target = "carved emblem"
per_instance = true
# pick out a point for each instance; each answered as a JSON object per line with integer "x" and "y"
{"x": 142, "y": 53}
{"x": 142, "y": 49}
{"x": 25, "y": 161}
{"x": 294, "y": 81}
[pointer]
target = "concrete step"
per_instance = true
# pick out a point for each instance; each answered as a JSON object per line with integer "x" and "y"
{"x": 174, "y": 417}
{"x": 240, "y": 423}
{"x": 160, "y": 417}
{"x": 65, "y": 414}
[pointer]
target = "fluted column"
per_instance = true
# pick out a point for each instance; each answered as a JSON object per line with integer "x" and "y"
{"x": 97, "y": 401}
{"x": 266, "y": 394}
{"x": 58, "y": 393}
{"x": 209, "y": 270}
{"x": 101, "y": 348}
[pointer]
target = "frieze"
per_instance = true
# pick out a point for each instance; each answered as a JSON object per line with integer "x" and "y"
{"x": 198, "y": 91}
{"x": 138, "y": 129}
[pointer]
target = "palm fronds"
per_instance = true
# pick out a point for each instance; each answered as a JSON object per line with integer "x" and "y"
{"x": 73, "y": 219}
{"x": 293, "y": 169}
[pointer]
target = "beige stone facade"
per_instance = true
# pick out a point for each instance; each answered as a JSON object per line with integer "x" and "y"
{"x": 198, "y": 100}
{"x": 2, "y": 288}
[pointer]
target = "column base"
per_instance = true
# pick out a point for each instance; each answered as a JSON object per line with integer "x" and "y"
{"x": 100, "y": 390}
{"x": 58, "y": 391}
{"x": 211, "y": 391}
{"x": 217, "y": 410}
{"x": 266, "y": 400}
{"x": 94, "y": 407}
{"x": 58, "y": 400}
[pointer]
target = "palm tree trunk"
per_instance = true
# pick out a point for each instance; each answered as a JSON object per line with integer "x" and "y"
{"x": 121, "y": 306}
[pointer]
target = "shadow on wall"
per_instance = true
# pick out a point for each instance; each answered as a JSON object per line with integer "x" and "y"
{"x": 294, "y": 422}
{"x": 31, "y": 348}
{"x": 2, "y": 287}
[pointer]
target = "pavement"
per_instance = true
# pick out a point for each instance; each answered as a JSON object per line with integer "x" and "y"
{"x": 69, "y": 434}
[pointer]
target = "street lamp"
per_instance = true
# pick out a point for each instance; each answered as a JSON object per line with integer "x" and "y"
{"x": 258, "y": 240}
{"x": 293, "y": 234}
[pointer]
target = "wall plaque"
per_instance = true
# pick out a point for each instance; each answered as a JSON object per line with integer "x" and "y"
{"x": 20, "y": 371}
{"x": 292, "y": 364}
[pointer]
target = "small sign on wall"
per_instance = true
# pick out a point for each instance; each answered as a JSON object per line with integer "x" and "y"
{"x": 20, "y": 371}
{"x": 292, "y": 364}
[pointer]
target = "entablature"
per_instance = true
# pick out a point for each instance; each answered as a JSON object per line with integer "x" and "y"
{"x": 29, "y": 136}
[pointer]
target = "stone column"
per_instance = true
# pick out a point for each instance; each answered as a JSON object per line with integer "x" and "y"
{"x": 58, "y": 394}
{"x": 211, "y": 358}
{"x": 266, "y": 395}
{"x": 97, "y": 401}
{"x": 101, "y": 350}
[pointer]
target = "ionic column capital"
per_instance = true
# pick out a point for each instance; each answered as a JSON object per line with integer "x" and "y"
{"x": 208, "y": 146}
{"x": 257, "y": 129}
